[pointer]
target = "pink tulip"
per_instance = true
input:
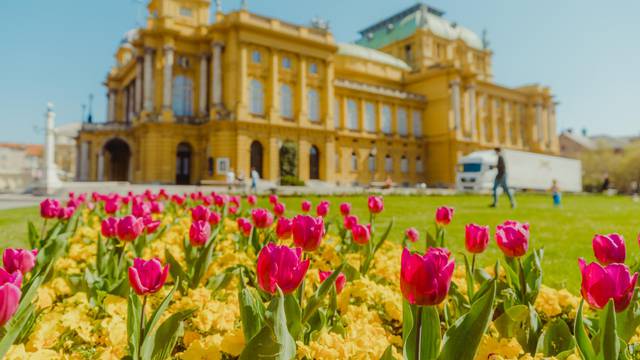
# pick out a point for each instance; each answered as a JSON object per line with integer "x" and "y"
{"x": 147, "y": 277}
{"x": 444, "y": 214}
{"x": 600, "y": 284}
{"x": 322, "y": 209}
{"x": 178, "y": 200}
{"x": 306, "y": 206}
{"x": 109, "y": 227}
{"x": 65, "y": 213}
{"x": 214, "y": 218}
{"x": 609, "y": 249}
{"x": 252, "y": 200}
{"x": 350, "y": 221}
{"x": 207, "y": 200}
{"x": 273, "y": 199}
{"x": 10, "y": 294}
{"x": 513, "y": 238}
{"x": 199, "y": 233}
{"x": 150, "y": 225}
{"x": 233, "y": 210}
{"x": 140, "y": 209}
{"x": 200, "y": 213}
{"x": 345, "y": 208}
{"x": 162, "y": 194}
{"x": 283, "y": 228}
{"x": 220, "y": 199}
{"x": 111, "y": 206}
{"x": 280, "y": 267}
{"x": 425, "y": 280}
{"x": 361, "y": 234}
{"x": 412, "y": 234}
{"x": 341, "y": 280}
{"x": 246, "y": 228}
{"x": 279, "y": 209}
{"x": 476, "y": 238}
{"x": 49, "y": 208}
{"x": 19, "y": 260}
{"x": 376, "y": 204}
{"x": 157, "y": 207}
{"x": 307, "y": 231}
{"x": 235, "y": 200}
{"x": 129, "y": 228}
{"x": 262, "y": 218}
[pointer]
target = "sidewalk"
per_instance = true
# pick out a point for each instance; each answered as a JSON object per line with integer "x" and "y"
{"x": 14, "y": 201}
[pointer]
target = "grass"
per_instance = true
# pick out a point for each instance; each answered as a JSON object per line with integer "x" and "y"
{"x": 565, "y": 232}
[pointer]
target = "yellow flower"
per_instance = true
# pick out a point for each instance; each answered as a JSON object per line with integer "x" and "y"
{"x": 203, "y": 349}
{"x": 233, "y": 342}
{"x": 492, "y": 348}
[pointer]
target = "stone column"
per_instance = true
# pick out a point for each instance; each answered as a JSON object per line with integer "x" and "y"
{"x": 83, "y": 171}
{"x": 328, "y": 102}
{"x": 243, "y": 102}
{"x": 471, "y": 95}
{"x": 202, "y": 99}
{"x": 274, "y": 105}
{"x": 539, "y": 129}
{"x": 100, "y": 176}
{"x": 302, "y": 91}
{"x": 167, "y": 79}
{"x": 139, "y": 70}
{"x": 148, "y": 80}
{"x": 455, "y": 105}
{"x": 111, "y": 106}
{"x": 51, "y": 180}
{"x": 216, "y": 74}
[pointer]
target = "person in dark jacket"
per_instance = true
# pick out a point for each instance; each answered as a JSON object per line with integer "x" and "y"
{"x": 501, "y": 180}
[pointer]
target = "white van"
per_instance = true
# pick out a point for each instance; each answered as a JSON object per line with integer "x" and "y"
{"x": 525, "y": 171}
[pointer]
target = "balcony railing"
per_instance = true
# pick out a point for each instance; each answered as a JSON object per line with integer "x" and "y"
{"x": 105, "y": 126}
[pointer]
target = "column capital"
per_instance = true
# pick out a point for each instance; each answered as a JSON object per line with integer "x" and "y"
{"x": 168, "y": 48}
{"x": 149, "y": 50}
{"x": 217, "y": 43}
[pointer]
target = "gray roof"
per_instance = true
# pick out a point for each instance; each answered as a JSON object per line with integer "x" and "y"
{"x": 372, "y": 55}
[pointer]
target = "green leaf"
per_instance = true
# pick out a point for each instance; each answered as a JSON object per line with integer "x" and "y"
{"x": 429, "y": 327}
{"x": 316, "y": 299}
{"x": 627, "y": 321}
{"x": 512, "y": 321}
{"x": 202, "y": 262}
{"x": 134, "y": 307}
{"x": 555, "y": 338}
{"x": 160, "y": 309}
{"x": 101, "y": 253}
{"x": 294, "y": 315}
{"x": 469, "y": 276}
{"x": 431, "y": 241}
{"x": 384, "y": 236}
{"x": 252, "y": 312}
{"x": 166, "y": 337}
{"x": 34, "y": 236}
{"x": 462, "y": 339}
{"x": 532, "y": 264}
{"x": 388, "y": 353}
{"x": 606, "y": 343}
{"x": 582, "y": 339}
{"x": 176, "y": 271}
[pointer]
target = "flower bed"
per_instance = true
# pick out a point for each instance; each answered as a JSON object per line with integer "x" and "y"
{"x": 211, "y": 276}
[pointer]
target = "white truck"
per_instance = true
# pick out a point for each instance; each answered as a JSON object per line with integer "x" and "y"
{"x": 525, "y": 171}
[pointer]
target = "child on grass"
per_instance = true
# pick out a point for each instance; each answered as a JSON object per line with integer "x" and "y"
{"x": 555, "y": 191}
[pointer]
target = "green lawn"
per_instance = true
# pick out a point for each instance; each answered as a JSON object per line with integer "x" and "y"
{"x": 564, "y": 232}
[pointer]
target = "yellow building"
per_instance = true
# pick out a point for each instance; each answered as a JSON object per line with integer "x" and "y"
{"x": 191, "y": 98}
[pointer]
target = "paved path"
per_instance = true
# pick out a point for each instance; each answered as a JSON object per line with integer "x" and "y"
{"x": 13, "y": 201}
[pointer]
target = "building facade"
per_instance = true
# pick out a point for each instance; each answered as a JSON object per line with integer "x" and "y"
{"x": 192, "y": 97}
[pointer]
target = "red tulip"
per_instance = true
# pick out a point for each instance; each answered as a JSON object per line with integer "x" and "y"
{"x": 200, "y": 213}
{"x": 65, "y": 213}
{"x": 476, "y": 238}
{"x": 350, "y": 221}
{"x": 376, "y": 204}
{"x": 283, "y": 228}
{"x": 278, "y": 209}
{"x": 345, "y": 208}
{"x": 306, "y": 206}
{"x": 19, "y": 260}
{"x": 129, "y": 228}
{"x": 244, "y": 226}
{"x": 444, "y": 214}
{"x": 49, "y": 208}
{"x": 252, "y": 200}
{"x": 262, "y": 218}
{"x": 412, "y": 234}
{"x": 307, "y": 231}
{"x": 147, "y": 277}
{"x": 178, "y": 200}
{"x": 199, "y": 233}
{"x": 162, "y": 194}
{"x": 322, "y": 209}
{"x": 150, "y": 225}
{"x": 157, "y": 207}
{"x": 341, "y": 280}
{"x": 361, "y": 234}
{"x": 280, "y": 267}
{"x": 235, "y": 200}
{"x": 220, "y": 199}
{"x": 111, "y": 206}
{"x": 425, "y": 280}
{"x": 273, "y": 199}
{"x": 214, "y": 218}
{"x": 609, "y": 249}
{"x": 140, "y": 209}
{"x": 600, "y": 284}
{"x": 10, "y": 294}
{"x": 513, "y": 238}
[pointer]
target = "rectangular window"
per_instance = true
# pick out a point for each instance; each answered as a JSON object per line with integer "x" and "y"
{"x": 186, "y": 12}
{"x": 417, "y": 123}
{"x": 419, "y": 166}
{"x": 386, "y": 119}
{"x": 370, "y": 117}
{"x": 352, "y": 114}
{"x": 286, "y": 101}
{"x": 256, "y": 57}
{"x": 337, "y": 114}
{"x": 256, "y": 99}
{"x": 388, "y": 164}
{"x": 286, "y": 63}
{"x": 402, "y": 121}
{"x": 314, "y": 105}
{"x": 404, "y": 165}
{"x": 372, "y": 163}
{"x": 354, "y": 161}
{"x": 313, "y": 68}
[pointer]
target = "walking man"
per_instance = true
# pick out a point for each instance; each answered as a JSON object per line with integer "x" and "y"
{"x": 255, "y": 176}
{"x": 501, "y": 180}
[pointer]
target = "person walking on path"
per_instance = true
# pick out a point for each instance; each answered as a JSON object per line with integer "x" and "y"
{"x": 255, "y": 176}
{"x": 501, "y": 180}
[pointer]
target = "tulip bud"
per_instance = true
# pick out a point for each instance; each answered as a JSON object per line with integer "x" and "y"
{"x": 262, "y": 218}
{"x": 49, "y": 208}
{"x": 609, "y": 249}
{"x": 345, "y": 208}
{"x": 306, "y": 206}
{"x": 513, "y": 238}
{"x": 129, "y": 228}
{"x": 220, "y": 199}
{"x": 425, "y": 280}
{"x": 375, "y": 204}
{"x": 147, "y": 277}
{"x": 157, "y": 207}
{"x": 341, "y": 280}
{"x": 476, "y": 238}
{"x": 10, "y": 294}
{"x": 350, "y": 221}
{"x": 280, "y": 267}
{"x": 19, "y": 260}
{"x": 279, "y": 209}
{"x": 307, "y": 231}
{"x": 412, "y": 234}
{"x": 200, "y": 213}
{"x": 283, "y": 228}
{"x": 111, "y": 206}
{"x": 322, "y": 209}
{"x": 65, "y": 213}
{"x": 199, "y": 233}
{"x": 214, "y": 218}
{"x": 178, "y": 200}
{"x": 273, "y": 199}
{"x": 252, "y": 200}
{"x": 601, "y": 284}
{"x": 444, "y": 215}
{"x": 361, "y": 234}
{"x": 150, "y": 225}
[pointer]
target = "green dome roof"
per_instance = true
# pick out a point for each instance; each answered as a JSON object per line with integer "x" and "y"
{"x": 372, "y": 55}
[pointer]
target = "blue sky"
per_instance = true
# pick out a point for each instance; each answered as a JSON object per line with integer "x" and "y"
{"x": 587, "y": 51}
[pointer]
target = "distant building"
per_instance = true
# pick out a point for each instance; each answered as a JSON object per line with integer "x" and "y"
{"x": 20, "y": 166}
{"x": 573, "y": 144}
{"x": 66, "y": 150}
{"x": 190, "y": 99}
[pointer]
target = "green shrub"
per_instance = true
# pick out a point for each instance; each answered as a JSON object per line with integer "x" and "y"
{"x": 291, "y": 181}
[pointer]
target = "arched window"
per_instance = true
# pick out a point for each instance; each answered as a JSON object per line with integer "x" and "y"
{"x": 354, "y": 161}
{"x": 286, "y": 101}
{"x": 256, "y": 100}
{"x": 372, "y": 162}
{"x": 256, "y": 157}
{"x": 314, "y": 105}
{"x": 404, "y": 164}
{"x": 182, "y": 96}
{"x": 388, "y": 163}
{"x": 419, "y": 165}
{"x": 314, "y": 162}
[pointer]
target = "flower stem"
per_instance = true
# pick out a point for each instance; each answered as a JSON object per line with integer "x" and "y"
{"x": 523, "y": 282}
{"x": 44, "y": 227}
{"x": 418, "y": 332}
{"x": 473, "y": 264}
{"x": 144, "y": 303}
